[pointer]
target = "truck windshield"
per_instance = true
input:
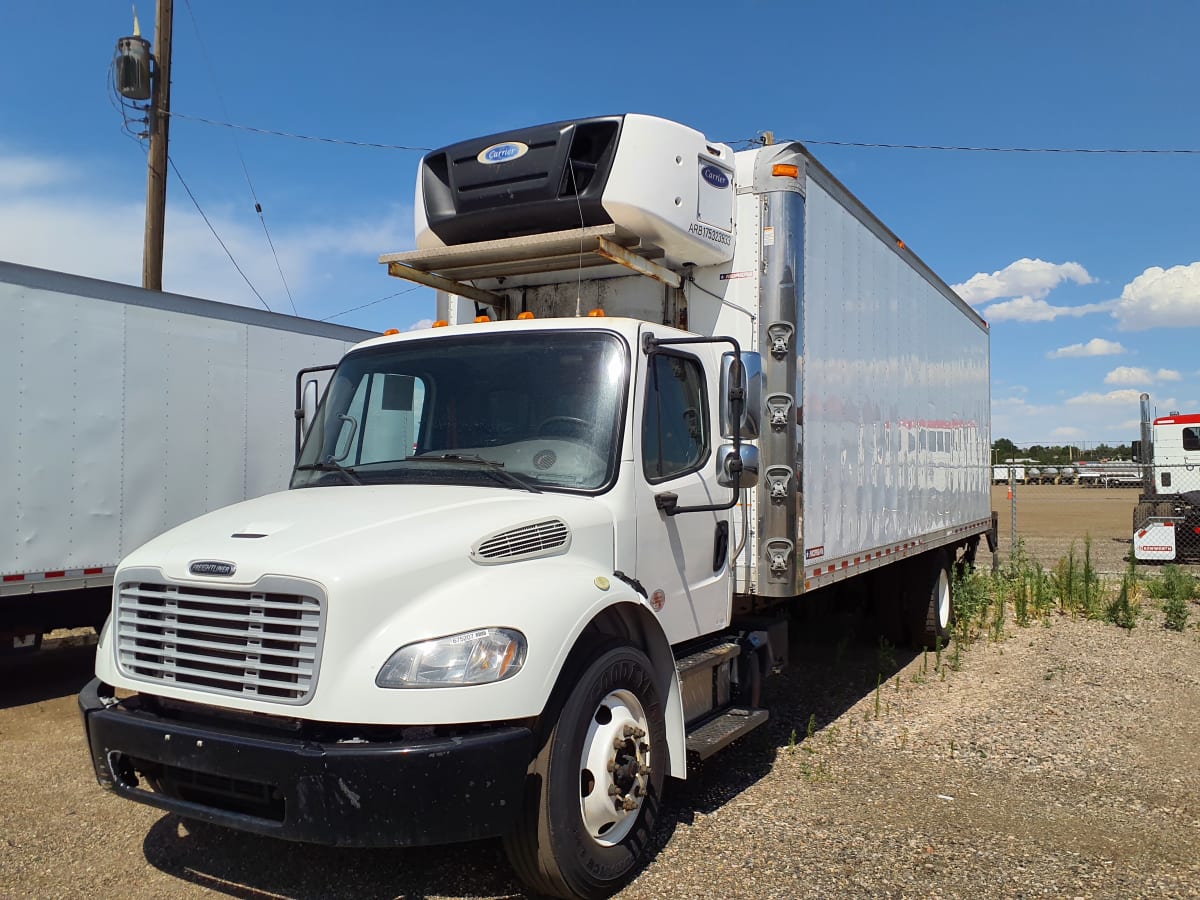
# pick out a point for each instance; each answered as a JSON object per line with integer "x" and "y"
{"x": 534, "y": 410}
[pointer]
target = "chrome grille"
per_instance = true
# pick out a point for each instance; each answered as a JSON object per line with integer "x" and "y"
{"x": 240, "y": 643}
{"x": 535, "y": 539}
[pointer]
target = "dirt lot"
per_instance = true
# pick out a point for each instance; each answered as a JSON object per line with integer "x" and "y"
{"x": 1052, "y": 517}
{"x": 1062, "y": 761}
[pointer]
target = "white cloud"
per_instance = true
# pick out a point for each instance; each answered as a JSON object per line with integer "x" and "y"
{"x": 1030, "y": 309}
{"x": 1031, "y": 278}
{"x": 88, "y": 234}
{"x": 23, "y": 173}
{"x": 1068, "y": 432}
{"x": 1161, "y": 298}
{"x": 418, "y": 326}
{"x": 1135, "y": 376}
{"x": 1129, "y": 375}
{"x": 1094, "y": 347}
{"x": 1127, "y": 396}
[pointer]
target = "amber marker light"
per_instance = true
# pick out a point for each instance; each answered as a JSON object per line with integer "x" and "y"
{"x": 483, "y": 318}
{"x": 785, "y": 170}
{"x": 596, "y": 313}
{"x": 391, "y": 331}
{"x": 525, "y": 315}
{"x": 440, "y": 323}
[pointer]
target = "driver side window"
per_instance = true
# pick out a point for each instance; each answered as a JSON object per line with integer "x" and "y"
{"x": 675, "y": 420}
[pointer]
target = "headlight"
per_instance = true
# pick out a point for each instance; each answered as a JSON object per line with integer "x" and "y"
{"x": 473, "y": 657}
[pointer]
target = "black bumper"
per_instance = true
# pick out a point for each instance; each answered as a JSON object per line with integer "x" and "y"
{"x": 378, "y": 794}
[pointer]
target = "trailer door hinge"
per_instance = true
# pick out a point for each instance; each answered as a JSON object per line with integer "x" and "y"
{"x": 779, "y": 405}
{"x": 779, "y": 555}
{"x": 779, "y": 481}
{"x": 780, "y": 336}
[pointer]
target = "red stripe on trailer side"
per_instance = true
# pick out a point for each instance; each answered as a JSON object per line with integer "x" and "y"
{"x": 99, "y": 570}
{"x": 8, "y": 578}
{"x": 59, "y": 574}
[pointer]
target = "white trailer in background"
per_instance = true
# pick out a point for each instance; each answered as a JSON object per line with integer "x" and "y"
{"x": 538, "y": 559}
{"x": 125, "y": 413}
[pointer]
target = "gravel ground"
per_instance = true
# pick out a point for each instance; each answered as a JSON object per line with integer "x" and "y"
{"x": 1061, "y": 761}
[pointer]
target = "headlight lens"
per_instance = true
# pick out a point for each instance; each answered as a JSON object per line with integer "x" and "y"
{"x": 472, "y": 657}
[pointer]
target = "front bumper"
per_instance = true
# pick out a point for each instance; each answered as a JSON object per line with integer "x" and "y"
{"x": 370, "y": 794}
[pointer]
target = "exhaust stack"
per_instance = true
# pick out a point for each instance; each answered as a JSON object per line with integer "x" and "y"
{"x": 1146, "y": 454}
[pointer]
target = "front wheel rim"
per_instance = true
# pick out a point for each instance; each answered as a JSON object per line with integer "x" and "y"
{"x": 614, "y": 767}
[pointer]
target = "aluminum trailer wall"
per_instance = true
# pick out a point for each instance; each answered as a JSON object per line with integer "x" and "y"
{"x": 896, "y": 421}
{"x": 127, "y": 412}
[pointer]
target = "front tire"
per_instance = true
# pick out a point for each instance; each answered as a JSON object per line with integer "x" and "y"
{"x": 594, "y": 788}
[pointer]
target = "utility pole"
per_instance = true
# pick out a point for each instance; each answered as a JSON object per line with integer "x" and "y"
{"x": 160, "y": 126}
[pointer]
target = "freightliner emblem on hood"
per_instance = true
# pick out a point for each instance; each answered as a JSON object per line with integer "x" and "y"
{"x": 212, "y": 567}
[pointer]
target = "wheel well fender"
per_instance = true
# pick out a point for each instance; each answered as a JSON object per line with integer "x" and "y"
{"x": 635, "y": 624}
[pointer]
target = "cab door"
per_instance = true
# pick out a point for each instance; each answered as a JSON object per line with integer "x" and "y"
{"x": 682, "y": 560}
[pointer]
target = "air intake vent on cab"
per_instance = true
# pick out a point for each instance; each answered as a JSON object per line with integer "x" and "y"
{"x": 548, "y": 537}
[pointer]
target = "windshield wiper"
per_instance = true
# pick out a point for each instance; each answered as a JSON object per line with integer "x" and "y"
{"x": 491, "y": 464}
{"x": 331, "y": 465}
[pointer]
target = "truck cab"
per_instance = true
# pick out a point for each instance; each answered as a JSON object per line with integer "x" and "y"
{"x": 1166, "y": 520}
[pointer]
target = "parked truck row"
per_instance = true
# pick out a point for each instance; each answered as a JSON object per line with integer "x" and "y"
{"x": 1020, "y": 473}
{"x": 541, "y": 557}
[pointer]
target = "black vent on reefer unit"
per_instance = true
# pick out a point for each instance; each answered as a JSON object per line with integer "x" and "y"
{"x": 546, "y": 188}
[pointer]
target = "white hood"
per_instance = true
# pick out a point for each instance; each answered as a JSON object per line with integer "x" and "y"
{"x": 329, "y": 534}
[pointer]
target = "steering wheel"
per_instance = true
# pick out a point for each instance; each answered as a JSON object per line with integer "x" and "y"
{"x": 569, "y": 427}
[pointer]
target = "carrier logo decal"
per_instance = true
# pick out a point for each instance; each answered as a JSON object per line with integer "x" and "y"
{"x": 500, "y": 153}
{"x": 212, "y": 567}
{"x": 814, "y": 552}
{"x": 715, "y": 177}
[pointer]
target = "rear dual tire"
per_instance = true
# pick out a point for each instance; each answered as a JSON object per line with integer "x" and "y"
{"x": 930, "y": 604}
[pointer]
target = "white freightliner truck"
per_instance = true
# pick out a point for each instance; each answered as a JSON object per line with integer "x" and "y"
{"x": 127, "y": 412}
{"x": 1166, "y": 520}
{"x": 537, "y": 560}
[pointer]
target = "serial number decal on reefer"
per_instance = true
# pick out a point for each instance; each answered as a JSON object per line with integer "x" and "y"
{"x": 710, "y": 234}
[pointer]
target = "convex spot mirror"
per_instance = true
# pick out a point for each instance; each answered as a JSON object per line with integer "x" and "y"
{"x": 749, "y": 475}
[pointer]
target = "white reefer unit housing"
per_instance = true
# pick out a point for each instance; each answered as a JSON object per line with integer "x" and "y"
{"x": 127, "y": 412}
{"x": 658, "y": 179}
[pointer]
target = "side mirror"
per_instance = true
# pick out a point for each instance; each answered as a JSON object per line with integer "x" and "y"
{"x": 750, "y": 379}
{"x": 748, "y": 478}
{"x": 308, "y": 407}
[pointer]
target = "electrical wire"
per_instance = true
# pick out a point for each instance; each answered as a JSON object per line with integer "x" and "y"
{"x": 372, "y": 303}
{"x": 754, "y": 141}
{"x": 1131, "y": 151}
{"x": 196, "y": 203}
{"x": 212, "y": 74}
{"x": 299, "y": 137}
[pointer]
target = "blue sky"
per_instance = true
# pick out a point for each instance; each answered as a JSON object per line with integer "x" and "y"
{"x": 1087, "y": 265}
